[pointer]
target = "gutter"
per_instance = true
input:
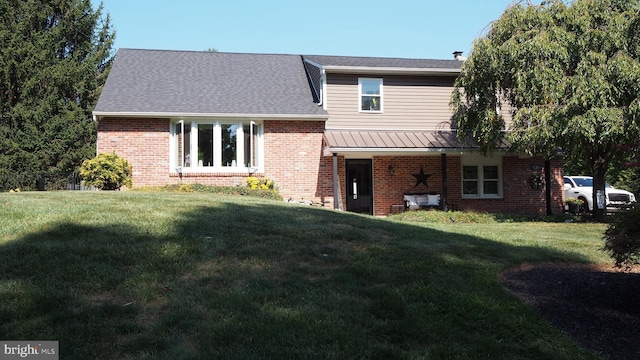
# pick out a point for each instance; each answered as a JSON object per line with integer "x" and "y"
{"x": 327, "y": 151}
{"x": 101, "y": 114}
{"x": 391, "y": 70}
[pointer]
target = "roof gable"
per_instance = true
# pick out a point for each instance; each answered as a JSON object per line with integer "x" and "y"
{"x": 206, "y": 83}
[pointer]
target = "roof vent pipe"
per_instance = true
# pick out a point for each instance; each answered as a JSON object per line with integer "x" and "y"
{"x": 458, "y": 56}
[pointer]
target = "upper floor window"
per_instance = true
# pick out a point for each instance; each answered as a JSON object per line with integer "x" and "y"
{"x": 370, "y": 94}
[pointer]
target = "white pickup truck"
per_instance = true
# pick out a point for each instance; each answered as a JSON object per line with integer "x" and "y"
{"x": 581, "y": 187}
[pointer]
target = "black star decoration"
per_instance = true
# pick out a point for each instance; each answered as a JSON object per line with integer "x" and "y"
{"x": 421, "y": 178}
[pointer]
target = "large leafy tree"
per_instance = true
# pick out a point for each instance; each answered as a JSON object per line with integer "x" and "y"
{"x": 54, "y": 59}
{"x": 568, "y": 72}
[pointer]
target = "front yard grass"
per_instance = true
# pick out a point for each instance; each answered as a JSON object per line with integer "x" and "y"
{"x": 162, "y": 275}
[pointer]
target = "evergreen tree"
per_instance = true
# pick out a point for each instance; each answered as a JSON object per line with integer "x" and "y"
{"x": 54, "y": 60}
{"x": 571, "y": 72}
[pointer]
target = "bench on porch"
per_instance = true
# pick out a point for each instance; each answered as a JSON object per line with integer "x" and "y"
{"x": 416, "y": 201}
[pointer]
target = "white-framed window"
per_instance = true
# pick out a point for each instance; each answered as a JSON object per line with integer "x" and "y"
{"x": 481, "y": 177}
{"x": 216, "y": 145}
{"x": 370, "y": 91}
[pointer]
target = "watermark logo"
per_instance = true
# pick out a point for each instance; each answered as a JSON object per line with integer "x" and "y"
{"x": 39, "y": 350}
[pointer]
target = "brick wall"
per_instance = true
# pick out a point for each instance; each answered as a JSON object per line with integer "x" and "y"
{"x": 293, "y": 159}
{"x": 519, "y": 197}
{"x": 144, "y": 143}
{"x": 389, "y": 189}
{"x": 292, "y": 154}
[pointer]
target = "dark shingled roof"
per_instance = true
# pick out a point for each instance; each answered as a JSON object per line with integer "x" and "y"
{"x": 189, "y": 82}
{"x": 375, "y": 62}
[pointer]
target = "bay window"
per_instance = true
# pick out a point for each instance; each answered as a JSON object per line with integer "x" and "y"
{"x": 215, "y": 145}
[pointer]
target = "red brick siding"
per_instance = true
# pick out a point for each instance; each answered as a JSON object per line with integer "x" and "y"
{"x": 389, "y": 189}
{"x": 143, "y": 142}
{"x": 518, "y": 197}
{"x": 293, "y": 158}
{"x": 292, "y": 155}
{"x": 325, "y": 180}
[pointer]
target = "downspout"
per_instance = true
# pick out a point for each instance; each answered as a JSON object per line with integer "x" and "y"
{"x": 445, "y": 206}
{"x": 547, "y": 178}
{"x": 336, "y": 196}
{"x": 95, "y": 120}
{"x": 323, "y": 82}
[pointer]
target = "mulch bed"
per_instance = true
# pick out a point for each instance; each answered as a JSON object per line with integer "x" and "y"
{"x": 598, "y": 307}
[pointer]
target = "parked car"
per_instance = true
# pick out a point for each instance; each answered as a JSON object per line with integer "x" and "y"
{"x": 581, "y": 187}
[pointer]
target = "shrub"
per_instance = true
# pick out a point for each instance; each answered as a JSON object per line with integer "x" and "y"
{"x": 622, "y": 238}
{"x": 106, "y": 172}
{"x": 223, "y": 190}
{"x": 574, "y": 201}
{"x": 261, "y": 184}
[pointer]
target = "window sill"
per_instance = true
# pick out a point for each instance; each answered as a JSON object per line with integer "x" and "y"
{"x": 216, "y": 172}
{"x": 484, "y": 197}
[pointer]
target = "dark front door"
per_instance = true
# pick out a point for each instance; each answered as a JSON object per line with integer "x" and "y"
{"x": 359, "y": 186}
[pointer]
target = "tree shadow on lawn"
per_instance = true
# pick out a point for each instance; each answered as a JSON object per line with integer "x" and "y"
{"x": 260, "y": 281}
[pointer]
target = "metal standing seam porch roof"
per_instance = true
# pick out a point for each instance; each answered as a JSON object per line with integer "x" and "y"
{"x": 393, "y": 141}
{"x": 400, "y": 142}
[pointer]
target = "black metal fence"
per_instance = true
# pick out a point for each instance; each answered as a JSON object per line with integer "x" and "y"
{"x": 41, "y": 181}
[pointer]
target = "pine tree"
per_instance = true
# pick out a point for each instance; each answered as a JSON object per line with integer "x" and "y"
{"x": 53, "y": 63}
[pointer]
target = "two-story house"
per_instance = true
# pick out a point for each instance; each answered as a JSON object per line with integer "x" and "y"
{"x": 350, "y": 132}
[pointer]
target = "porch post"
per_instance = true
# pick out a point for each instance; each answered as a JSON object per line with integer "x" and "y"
{"x": 547, "y": 179}
{"x": 336, "y": 191}
{"x": 445, "y": 206}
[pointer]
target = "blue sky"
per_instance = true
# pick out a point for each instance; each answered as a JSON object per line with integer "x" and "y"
{"x": 386, "y": 28}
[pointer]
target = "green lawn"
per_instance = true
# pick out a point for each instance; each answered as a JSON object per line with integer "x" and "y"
{"x": 144, "y": 275}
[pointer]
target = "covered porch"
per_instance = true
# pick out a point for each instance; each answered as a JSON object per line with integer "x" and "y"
{"x": 374, "y": 170}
